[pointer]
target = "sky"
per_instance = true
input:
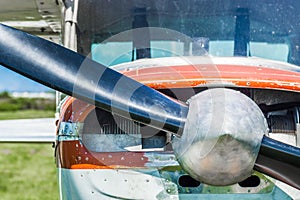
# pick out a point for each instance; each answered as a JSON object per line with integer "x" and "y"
{"x": 13, "y": 82}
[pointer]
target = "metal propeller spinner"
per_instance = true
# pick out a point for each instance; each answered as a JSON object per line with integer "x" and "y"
{"x": 221, "y": 138}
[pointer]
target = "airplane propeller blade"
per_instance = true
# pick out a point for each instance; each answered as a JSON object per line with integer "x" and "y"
{"x": 64, "y": 70}
{"x": 280, "y": 161}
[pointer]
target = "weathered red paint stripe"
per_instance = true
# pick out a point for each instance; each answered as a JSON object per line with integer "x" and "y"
{"x": 74, "y": 155}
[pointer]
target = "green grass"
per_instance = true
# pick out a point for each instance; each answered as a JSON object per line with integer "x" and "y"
{"x": 27, "y": 172}
{"x": 26, "y": 114}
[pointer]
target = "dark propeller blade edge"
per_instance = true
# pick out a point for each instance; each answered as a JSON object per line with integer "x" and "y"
{"x": 280, "y": 161}
{"x": 66, "y": 71}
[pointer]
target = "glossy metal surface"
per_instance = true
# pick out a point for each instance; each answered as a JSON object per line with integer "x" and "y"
{"x": 280, "y": 161}
{"x": 222, "y": 136}
{"x": 85, "y": 79}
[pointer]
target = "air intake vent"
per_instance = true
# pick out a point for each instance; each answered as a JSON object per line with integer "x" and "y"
{"x": 187, "y": 181}
{"x": 252, "y": 181}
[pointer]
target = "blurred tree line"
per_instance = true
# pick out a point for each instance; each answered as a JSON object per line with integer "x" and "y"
{"x": 9, "y": 103}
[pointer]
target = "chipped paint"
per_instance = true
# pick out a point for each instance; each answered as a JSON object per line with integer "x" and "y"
{"x": 88, "y": 174}
{"x": 236, "y": 72}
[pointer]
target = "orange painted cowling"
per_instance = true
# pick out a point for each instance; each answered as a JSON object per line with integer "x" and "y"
{"x": 178, "y": 73}
{"x": 238, "y": 72}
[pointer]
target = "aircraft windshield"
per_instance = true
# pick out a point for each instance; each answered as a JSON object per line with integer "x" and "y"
{"x": 267, "y": 29}
{"x": 122, "y": 51}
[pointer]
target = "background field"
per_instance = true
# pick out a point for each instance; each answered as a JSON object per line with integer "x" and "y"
{"x": 26, "y": 114}
{"x": 27, "y": 171}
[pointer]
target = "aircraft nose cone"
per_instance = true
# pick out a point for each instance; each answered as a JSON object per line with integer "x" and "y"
{"x": 221, "y": 137}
